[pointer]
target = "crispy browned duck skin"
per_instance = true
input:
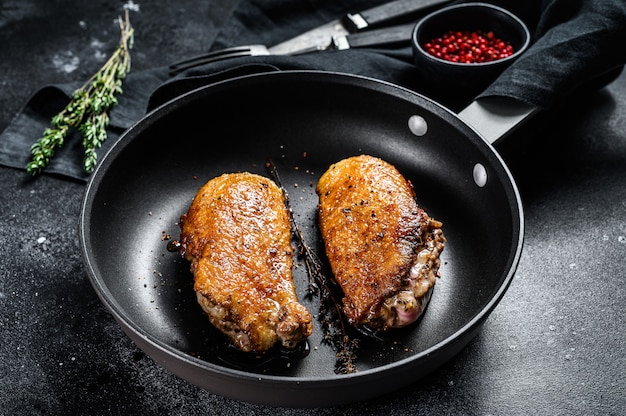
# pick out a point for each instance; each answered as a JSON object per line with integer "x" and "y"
{"x": 383, "y": 249}
{"x": 237, "y": 236}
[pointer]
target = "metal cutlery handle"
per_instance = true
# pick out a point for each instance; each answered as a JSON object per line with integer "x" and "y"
{"x": 386, "y": 13}
{"x": 388, "y": 36}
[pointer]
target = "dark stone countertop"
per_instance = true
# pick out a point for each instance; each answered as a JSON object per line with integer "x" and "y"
{"x": 554, "y": 345}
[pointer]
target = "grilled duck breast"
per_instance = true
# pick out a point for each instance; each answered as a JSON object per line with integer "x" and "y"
{"x": 237, "y": 236}
{"x": 383, "y": 249}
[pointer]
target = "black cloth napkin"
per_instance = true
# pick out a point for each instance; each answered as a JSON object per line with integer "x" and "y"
{"x": 574, "y": 41}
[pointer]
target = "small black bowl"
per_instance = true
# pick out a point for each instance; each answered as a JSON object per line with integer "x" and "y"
{"x": 466, "y": 78}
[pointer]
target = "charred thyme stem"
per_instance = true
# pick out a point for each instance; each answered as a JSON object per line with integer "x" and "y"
{"x": 313, "y": 265}
{"x": 330, "y": 316}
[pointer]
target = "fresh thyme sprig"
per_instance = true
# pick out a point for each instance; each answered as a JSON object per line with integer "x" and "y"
{"x": 88, "y": 108}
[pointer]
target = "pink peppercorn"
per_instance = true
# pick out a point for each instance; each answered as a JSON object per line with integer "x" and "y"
{"x": 468, "y": 47}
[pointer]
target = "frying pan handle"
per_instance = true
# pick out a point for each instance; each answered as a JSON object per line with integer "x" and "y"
{"x": 495, "y": 117}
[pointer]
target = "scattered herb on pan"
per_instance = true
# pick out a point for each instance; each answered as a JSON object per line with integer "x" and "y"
{"x": 88, "y": 108}
{"x": 330, "y": 317}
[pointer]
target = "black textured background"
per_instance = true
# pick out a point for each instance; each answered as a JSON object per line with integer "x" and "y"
{"x": 554, "y": 345}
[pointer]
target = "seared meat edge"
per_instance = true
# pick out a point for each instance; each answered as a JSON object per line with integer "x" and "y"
{"x": 237, "y": 236}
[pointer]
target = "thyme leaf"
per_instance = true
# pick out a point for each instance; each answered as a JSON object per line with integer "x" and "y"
{"x": 88, "y": 108}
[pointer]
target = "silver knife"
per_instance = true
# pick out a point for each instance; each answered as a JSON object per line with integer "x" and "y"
{"x": 320, "y": 38}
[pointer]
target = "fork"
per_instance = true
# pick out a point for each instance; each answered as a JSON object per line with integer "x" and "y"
{"x": 351, "y": 31}
{"x": 393, "y": 35}
{"x": 227, "y": 53}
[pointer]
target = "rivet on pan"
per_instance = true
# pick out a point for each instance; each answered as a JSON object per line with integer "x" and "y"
{"x": 480, "y": 175}
{"x": 418, "y": 126}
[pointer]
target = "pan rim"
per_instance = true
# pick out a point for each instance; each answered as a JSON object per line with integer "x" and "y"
{"x": 298, "y": 382}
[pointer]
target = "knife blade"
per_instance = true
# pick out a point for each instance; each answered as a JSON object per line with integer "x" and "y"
{"x": 322, "y": 36}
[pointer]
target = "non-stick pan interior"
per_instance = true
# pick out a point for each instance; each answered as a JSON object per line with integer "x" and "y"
{"x": 301, "y": 122}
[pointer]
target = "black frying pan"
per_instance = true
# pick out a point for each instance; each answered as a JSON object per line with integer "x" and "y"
{"x": 303, "y": 122}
